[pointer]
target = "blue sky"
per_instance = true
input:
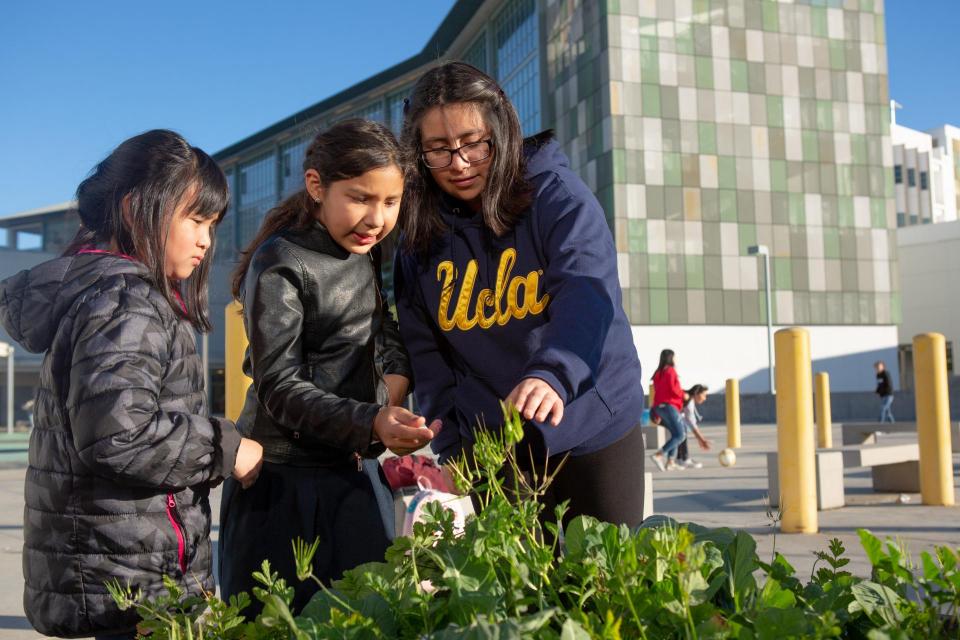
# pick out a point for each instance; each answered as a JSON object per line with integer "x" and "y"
{"x": 76, "y": 78}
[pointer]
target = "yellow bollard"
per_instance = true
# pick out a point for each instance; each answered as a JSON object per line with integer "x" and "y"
{"x": 235, "y": 382}
{"x": 733, "y": 413}
{"x": 933, "y": 419}
{"x": 798, "y": 484}
{"x": 824, "y": 417}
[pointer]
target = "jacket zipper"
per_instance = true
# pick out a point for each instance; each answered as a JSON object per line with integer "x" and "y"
{"x": 377, "y": 376}
{"x": 174, "y": 517}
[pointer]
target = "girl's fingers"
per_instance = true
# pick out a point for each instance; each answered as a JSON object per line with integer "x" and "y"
{"x": 546, "y": 407}
{"x": 556, "y": 414}
{"x": 519, "y": 396}
{"x": 534, "y": 401}
{"x": 401, "y": 432}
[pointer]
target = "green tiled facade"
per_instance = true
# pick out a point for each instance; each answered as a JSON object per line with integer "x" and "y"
{"x": 703, "y": 127}
{"x": 708, "y": 126}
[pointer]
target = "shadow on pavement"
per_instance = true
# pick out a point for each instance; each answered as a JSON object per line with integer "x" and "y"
{"x": 14, "y": 622}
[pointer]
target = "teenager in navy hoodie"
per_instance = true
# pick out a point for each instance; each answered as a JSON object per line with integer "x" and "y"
{"x": 507, "y": 288}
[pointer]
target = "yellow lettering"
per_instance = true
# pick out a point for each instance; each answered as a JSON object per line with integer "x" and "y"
{"x": 504, "y": 300}
{"x": 461, "y": 315}
{"x": 485, "y": 299}
{"x": 445, "y": 275}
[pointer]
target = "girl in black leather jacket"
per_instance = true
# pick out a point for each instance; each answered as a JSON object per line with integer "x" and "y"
{"x": 327, "y": 365}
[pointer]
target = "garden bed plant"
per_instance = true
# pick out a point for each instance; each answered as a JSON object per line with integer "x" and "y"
{"x": 508, "y": 576}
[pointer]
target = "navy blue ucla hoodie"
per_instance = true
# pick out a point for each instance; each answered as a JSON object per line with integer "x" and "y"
{"x": 480, "y": 313}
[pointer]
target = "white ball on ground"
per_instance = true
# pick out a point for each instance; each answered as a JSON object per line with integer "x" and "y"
{"x": 728, "y": 457}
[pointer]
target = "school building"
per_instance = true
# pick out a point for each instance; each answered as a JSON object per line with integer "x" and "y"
{"x": 707, "y": 129}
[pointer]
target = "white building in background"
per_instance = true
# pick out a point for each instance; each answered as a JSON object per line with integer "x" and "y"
{"x": 947, "y": 140}
{"x": 929, "y": 272}
{"x": 926, "y": 174}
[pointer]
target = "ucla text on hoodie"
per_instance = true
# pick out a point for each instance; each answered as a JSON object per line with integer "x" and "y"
{"x": 498, "y": 306}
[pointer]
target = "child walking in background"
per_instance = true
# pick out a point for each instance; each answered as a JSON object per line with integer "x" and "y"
{"x": 695, "y": 395}
{"x": 122, "y": 454}
{"x": 668, "y": 394}
{"x": 328, "y": 369}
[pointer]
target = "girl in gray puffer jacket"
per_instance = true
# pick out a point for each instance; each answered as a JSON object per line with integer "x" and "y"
{"x": 122, "y": 456}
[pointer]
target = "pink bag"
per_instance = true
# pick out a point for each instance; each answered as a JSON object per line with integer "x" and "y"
{"x": 406, "y": 471}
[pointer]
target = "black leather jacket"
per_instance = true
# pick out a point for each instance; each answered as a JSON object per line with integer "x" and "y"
{"x": 320, "y": 342}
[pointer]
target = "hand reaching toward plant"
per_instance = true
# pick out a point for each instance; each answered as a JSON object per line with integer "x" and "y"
{"x": 536, "y": 400}
{"x": 401, "y": 431}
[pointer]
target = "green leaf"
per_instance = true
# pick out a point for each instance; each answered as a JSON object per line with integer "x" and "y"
{"x": 741, "y": 561}
{"x": 276, "y": 612}
{"x": 774, "y": 596}
{"x": 776, "y": 624}
{"x": 872, "y": 545}
{"x": 879, "y": 602}
{"x": 572, "y": 630}
{"x": 930, "y": 568}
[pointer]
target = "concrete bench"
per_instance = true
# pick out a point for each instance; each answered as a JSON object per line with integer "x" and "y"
{"x": 829, "y": 472}
{"x": 894, "y": 467}
{"x": 867, "y": 432}
{"x": 654, "y": 437}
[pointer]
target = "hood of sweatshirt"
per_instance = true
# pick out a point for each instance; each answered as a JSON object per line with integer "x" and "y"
{"x": 33, "y": 302}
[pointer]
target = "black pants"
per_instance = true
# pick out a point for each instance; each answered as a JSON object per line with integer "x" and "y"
{"x": 338, "y": 506}
{"x": 605, "y": 484}
{"x": 683, "y": 452}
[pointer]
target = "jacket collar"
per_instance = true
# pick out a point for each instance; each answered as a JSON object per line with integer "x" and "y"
{"x": 317, "y": 238}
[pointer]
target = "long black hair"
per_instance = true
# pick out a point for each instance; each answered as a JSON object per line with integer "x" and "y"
{"x": 506, "y": 194}
{"x": 128, "y": 201}
{"x": 696, "y": 389}
{"x": 666, "y": 360}
{"x": 346, "y": 150}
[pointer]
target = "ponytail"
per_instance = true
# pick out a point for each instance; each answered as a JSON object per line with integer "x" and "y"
{"x": 295, "y": 213}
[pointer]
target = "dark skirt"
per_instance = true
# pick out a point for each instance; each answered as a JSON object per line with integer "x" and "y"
{"x": 339, "y": 506}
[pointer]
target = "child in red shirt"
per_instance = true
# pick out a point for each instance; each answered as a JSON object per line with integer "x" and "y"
{"x": 669, "y": 396}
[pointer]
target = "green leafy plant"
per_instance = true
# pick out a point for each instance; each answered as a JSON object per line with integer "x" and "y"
{"x": 514, "y": 573}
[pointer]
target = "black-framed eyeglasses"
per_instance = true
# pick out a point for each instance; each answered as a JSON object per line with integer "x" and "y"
{"x": 443, "y": 157}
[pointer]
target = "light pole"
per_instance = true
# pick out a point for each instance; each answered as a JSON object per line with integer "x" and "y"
{"x": 6, "y": 351}
{"x": 762, "y": 250}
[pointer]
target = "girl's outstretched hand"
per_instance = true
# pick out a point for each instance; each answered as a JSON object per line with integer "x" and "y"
{"x": 249, "y": 460}
{"x": 536, "y": 400}
{"x": 401, "y": 431}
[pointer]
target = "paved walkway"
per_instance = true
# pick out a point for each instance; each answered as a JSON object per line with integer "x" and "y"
{"x": 713, "y": 496}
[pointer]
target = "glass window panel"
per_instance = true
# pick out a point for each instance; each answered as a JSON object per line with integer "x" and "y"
{"x": 477, "y": 53}
{"x": 257, "y": 194}
{"x": 395, "y": 108}
{"x": 291, "y": 165}
{"x": 28, "y": 240}
{"x": 518, "y": 60}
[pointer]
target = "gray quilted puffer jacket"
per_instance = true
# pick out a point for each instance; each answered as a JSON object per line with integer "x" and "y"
{"x": 122, "y": 456}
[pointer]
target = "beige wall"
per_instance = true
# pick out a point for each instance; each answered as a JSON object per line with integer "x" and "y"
{"x": 930, "y": 281}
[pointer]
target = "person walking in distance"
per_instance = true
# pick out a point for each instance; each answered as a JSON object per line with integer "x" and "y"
{"x": 885, "y": 391}
{"x": 668, "y": 395}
